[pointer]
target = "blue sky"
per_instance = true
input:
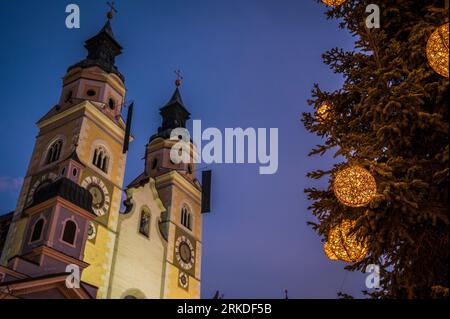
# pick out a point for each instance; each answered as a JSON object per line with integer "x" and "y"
{"x": 246, "y": 63}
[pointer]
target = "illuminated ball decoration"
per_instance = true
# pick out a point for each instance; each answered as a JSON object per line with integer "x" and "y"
{"x": 344, "y": 245}
{"x": 354, "y": 186}
{"x": 330, "y": 254}
{"x": 333, "y": 3}
{"x": 437, "y": 50}
{"x": 322, "y": 112}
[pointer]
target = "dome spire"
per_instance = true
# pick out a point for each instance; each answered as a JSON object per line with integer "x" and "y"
{"x": 174, "y": 114}
{"x": 103, "y": 48}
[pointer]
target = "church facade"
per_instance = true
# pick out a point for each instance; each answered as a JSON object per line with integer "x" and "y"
{"x": 69, "y": 214}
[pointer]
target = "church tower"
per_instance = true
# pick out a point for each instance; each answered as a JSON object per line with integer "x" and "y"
{"x": 180, "y": 192}
{"x": 158, "y": 252}
{"x": 81, "y": 139}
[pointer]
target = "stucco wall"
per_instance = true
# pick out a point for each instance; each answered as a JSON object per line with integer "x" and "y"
{"x": 138, "y": 260}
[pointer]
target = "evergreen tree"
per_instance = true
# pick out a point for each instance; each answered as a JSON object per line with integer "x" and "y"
{"x": 390, "y": 117}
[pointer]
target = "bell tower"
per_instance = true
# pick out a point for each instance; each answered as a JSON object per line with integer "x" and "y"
{"x": 81, "y": 139}
{"x": 96, "y": 78}
{"x": 180, "y": 193}
{"x": 160, "y": 230}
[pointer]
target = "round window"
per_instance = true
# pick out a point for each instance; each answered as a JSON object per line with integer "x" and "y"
{"x": 112, "y": 104}
{"x": 91, "y": 93}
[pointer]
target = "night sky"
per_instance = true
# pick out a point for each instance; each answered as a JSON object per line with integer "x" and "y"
{"x": 246, "y": 63}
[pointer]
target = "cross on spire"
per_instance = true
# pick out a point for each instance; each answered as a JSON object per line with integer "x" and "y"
{"x": 112, "y": 10}
{"x": 179, "y": 78}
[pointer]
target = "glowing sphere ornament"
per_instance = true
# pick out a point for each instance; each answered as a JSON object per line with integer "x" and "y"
{"x": 333, "y": 3}
{"x": 344, "y": 245}
{"x": 437, "y": 50}
{"x": 354, "y": 186}
{"x": 330, "y": 254}
{"x": 322, "y": 112}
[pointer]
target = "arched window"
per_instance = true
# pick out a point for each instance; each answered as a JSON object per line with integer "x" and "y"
{"x": 186, "y": 218}
{"x": 101, "y": 158}
{"x": 144, "y": 223}
{"x": 54, "y": 152}
{"x": 133, "y": 294}
{"x": 37, "y": 230}
{"x": 154, "y": 163}
{"x": 69, "y": 232}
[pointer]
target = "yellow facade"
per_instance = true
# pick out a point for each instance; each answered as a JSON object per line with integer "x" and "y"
{"x": 173, "y": 291}
{"x": 138, "y": 261}
{"x": 95, "y": 129}
{"x": 177, "y": 190}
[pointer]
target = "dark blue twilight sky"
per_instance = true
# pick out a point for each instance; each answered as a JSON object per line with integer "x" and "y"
{"x": 246, "y": 63}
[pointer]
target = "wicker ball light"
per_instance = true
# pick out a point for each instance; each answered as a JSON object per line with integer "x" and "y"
{"x": 437, "y": 50}
{"x": 330, "y": 254}
{"x": 343, "y": 245}
{"x": 333, "y": 3}
{"x": 322, "y": 112}
{"x": 354, "y": 186}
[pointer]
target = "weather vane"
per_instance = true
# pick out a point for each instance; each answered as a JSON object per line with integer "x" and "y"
{"x": 112, "y": 10}
{"x": 179, "y": 78}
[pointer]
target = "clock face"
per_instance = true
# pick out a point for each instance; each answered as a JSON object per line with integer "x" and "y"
{"x": 42, "y": 181}
{"x": 92, "y": 232}
{"x": 183, "y": 280}
{"x": 100, "y": 195}
{"x": 184, "y": 252}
